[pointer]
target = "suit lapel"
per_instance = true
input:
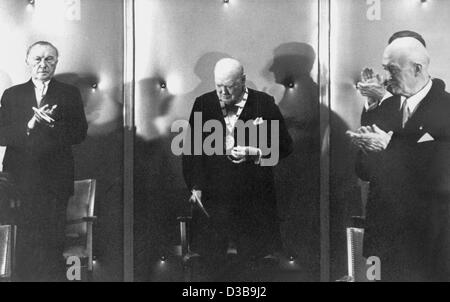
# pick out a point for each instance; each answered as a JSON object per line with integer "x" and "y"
{"x": 215, "y": 112}
{"x": 50, "y": 97}
{"x": 247, "y": 111}
{"x": 30, "y": 95}
{"x": 415, "y": 122}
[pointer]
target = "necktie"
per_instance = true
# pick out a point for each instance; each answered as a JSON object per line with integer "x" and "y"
{"x": 41, "y": 94}
{"x": 406, "y": 113}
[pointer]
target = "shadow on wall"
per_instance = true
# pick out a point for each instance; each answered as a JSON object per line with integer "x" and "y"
{"x": 100, "y": 156}
{"x": 298, "y": 176}
{"x": 161, "y": 195}
{"x": 5, "y": 81}
{"x": 158, "y": 185}
{"x": 160, "y": 192}
{"x": 160, "y": 108}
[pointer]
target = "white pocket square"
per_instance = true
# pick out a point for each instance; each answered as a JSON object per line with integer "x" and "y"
{"x": 425, "y": 138}
{"x": 258, "y": 121}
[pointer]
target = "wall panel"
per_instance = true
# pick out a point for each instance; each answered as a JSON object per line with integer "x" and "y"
{"x": 359, "y": 33}
{"x": 89, "y": 36}
{"x": 177, "y": 45}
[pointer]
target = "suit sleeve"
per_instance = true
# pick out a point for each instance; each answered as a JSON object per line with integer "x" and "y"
{"x": 12, "y": 133}
{"x": 285, "y": 140}
{"x": 192, "y": 164}
{"x": 368, "y": 117}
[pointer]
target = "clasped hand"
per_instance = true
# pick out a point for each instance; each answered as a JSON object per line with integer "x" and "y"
{"x": 370, "y": 138}
{"x": 240, "y": 154}
{"x": 371, "y": 86}
{"x": 43, "y": 115}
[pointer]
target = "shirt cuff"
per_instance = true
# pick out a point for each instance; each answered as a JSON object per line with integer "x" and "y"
{"x": 257, "y": 160}
{"x": 374, "y": 105}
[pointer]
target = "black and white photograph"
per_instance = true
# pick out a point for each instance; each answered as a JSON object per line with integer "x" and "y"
{"x": 234, "y": 143}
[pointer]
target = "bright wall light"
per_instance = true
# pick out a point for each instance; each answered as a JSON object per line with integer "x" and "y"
{"x": 174, "y": 83}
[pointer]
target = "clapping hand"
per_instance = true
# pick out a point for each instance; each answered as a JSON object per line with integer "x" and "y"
{"x": 371, "y": 86}
{"x": 43, "y": 115}
{"x": 370, "y": 138}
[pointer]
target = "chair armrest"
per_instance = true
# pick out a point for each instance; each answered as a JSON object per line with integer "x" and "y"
{"x": 82, "y": 220}
{"x": 184, "y": 218}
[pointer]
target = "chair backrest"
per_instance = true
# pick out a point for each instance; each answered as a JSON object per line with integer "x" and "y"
{"x": 81, "y": 205}
{"x": 7, "y": 233}
{"x": 355, "y": 259}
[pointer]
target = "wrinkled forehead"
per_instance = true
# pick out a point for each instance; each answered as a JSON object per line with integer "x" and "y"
{"x": 392, "y": 57}
{"x": 227, "y": 78}
{"x": 42, "y": 51}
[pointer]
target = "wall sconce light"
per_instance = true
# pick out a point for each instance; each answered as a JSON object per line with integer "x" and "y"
{"x": 163, "y": 259}
{"x": 163, "y": 85}
{"x": 291, "y": 259}
{"x": 30, "y": 5}
{"x": 226, "y": 1}
{"x": 94, "y": 86}
{"x": 291, "y": 85}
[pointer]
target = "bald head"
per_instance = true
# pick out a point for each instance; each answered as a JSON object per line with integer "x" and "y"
{"x": 406, "y": 61}
{"x": 409, "y": 49}
{"x": 228, "y": 67}
{"x": 230, "y": 80}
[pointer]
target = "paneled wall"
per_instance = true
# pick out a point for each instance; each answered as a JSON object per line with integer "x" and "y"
{"x": 177, "y": 45}
{"x": 359, "y": 33}
{"x": 88, "y": 35}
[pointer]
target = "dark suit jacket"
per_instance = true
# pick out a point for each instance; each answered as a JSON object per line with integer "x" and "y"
{"x": 44, "y": 158}
{"x": 409, "y": 181}
{"x": 237, "y": 194}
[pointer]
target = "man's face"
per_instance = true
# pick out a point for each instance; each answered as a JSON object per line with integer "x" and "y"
{"x": 229, "y": 87}
{"x": 42, "y": 61}
{"x": 400, "y": 74}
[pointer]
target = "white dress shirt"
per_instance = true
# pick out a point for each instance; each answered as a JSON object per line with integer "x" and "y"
{"x": 40, "y": 90}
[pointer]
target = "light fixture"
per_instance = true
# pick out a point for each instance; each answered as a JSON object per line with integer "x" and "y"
{"x": 163, "y": 85}
{"x": 30, "y": 5}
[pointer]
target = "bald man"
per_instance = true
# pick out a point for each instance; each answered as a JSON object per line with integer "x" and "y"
{"x": 373, "y": 87}
{"x": 233, "y": 189}
{"x": 406, "y": 152}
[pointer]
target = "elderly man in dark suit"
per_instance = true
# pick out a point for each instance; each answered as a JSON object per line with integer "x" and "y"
{"x": 40, "y": 120}
{"x": 235, "y": 185}
{"x": 406, "y": 160}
